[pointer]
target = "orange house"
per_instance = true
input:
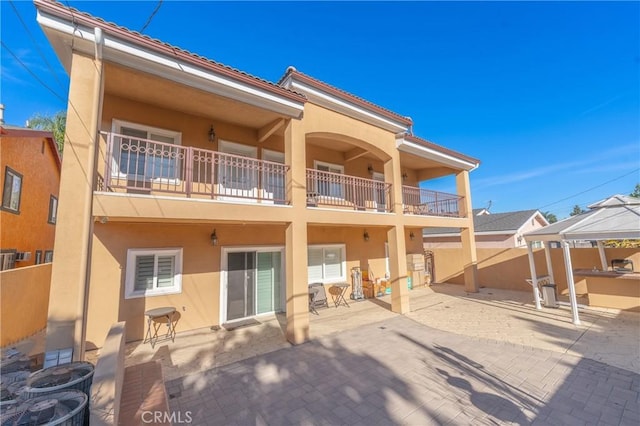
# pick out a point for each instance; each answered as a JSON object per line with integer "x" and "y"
{"x": 30, "y": 179}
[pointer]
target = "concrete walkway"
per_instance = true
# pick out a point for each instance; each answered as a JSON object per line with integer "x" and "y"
{"x": 457, "y": 358}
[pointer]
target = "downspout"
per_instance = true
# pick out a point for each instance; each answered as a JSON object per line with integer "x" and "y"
{"x": 80, "y": 336}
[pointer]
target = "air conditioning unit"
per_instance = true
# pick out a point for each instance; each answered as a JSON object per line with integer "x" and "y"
{"x": 23, "y": 256}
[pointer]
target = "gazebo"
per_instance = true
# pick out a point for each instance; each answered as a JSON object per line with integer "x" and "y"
{"x": 614, "y": 218}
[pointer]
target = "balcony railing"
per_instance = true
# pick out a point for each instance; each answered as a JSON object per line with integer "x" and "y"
{"x": 145, "y": 166}
{"x": 344, "y": 191}
{"x": 426, "y": 202}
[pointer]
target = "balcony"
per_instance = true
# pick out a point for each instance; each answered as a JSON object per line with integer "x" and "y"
{"x": 347, "y": 192}
{"x": 425, "y": 202}
{"x": 143, "y": 166}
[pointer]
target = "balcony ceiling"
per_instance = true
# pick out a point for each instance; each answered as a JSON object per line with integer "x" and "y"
{"x": 146, "y": 88}
{"x": 414, "y": 162}
{"x": 337, "y": 145}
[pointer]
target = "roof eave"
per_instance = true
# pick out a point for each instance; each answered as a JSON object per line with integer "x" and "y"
{"x": 333, "y": 99}
{"x": 120, "y": 46}
{"x": 436, "y": 153}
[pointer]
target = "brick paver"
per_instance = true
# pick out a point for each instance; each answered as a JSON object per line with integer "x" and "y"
{"x": 399, "y": 371}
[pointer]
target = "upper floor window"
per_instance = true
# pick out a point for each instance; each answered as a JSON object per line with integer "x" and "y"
{"x": 329, "y": 184}
{"x": 12, "y": 190}
{"x": 53, "y": 209}
{"x": 146, "y": 152}
{"x": 48, "y": 256}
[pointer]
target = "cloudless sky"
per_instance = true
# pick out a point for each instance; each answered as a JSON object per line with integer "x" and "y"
{"x": 545, "y": 94}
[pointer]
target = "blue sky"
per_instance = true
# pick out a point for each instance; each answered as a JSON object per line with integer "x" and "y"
{"x": 545, "y": 94}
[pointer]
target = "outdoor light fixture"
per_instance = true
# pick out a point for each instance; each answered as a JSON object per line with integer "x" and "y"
{"x": 212, "y": 134}
{"x": 411, "y": 235}
{"x": 370, "y": 169}
{"x": 365, "y": 236}
{"x": 214, "y": 238}
{"x": 405, "y": 176}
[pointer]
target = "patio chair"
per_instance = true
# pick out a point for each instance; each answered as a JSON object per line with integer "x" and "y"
{"x": 317, "y": 297}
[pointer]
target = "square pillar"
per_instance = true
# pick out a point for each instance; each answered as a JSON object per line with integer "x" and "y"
{"x": 297, "y": 287}
{"x": 398, "y": 270}
{"x": 66, "y": 323}
{"x": 467, "y": 233}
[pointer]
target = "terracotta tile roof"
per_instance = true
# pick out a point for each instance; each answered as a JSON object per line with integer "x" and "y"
{"x": 74, "y": 15}
{"x": 431, "y": 145}
{"x": 343, "y": 94}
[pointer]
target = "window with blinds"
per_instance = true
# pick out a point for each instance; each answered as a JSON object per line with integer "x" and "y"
{"x": 153, "y": 272}
{"x": 326, "y": 263}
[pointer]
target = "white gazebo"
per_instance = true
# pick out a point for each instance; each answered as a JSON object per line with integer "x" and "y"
{"x": 615, "y": 218}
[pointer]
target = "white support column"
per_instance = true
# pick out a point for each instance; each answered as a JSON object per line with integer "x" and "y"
{"x": 547, "y": 256}
{"x": 603, "y": 256}
{"x": 570, "y": 283}
{"x": 534, "y": 276}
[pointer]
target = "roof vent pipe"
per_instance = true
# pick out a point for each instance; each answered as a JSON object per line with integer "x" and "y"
{"x": 1, "y": 113}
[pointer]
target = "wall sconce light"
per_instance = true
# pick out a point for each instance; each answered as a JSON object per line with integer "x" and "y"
{"x": 405, "y": 176}
{"x": 212, "y": 134}
{"x": 412, "y": 236}
{"x": 370, "y": 169}
{"x": 365, "y": 236}
{"x": 214, "y": 238}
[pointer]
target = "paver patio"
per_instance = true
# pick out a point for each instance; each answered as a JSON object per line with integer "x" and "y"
{"x": 457, "y": 358}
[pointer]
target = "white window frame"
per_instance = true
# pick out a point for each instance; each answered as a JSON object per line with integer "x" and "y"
{"x": 132, "y": 254}
{"x": 325, "y": 280}
{"x": 116, "y": 127}
{"x": 53, "y": 210}
{"x": 8, "y": 171}
{"x": 339, "y": 167}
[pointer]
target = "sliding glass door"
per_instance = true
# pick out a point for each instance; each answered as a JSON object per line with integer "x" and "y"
{"x": 254, "y": 283}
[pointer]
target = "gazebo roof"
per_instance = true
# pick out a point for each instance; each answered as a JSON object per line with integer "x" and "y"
{"x": 614, "y": 218}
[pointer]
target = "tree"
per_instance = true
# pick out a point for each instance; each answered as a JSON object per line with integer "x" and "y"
{"x": 55, "y": 124}
{"x": 551, "y": 218}
{"x": 636, "y": 191}
{"x": 576, "y": 210}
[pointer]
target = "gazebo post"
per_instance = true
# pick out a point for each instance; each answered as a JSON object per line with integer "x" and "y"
{"x": 603, "y": 256}
{"x": 570, "y": 283}
{"x": 534, "y": 277}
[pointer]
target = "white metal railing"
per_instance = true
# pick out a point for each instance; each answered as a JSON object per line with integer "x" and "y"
{"x": 426, "y": 202}
{"x": 145, "y": 166}
{"x": 337, "y": 189}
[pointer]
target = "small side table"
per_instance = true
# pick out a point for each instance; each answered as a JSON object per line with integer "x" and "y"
{"x": 155, "y": 319}
{"x": 339, "y": 298}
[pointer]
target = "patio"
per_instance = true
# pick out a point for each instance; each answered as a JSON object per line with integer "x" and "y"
{"x": 607, "y": 336}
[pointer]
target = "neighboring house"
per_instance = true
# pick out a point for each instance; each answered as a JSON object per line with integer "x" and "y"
{"x": 200, "y": 187}
{"x": 30, "y": 179}
{"x": 492, "y": 230}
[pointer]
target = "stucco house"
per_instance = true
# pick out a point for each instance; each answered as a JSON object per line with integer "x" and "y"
{"x": 492, "y": 230}
{"x": 29, "y": 178}
{"x": 204, "y": 188}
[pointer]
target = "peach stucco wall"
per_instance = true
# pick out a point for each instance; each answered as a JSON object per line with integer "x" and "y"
{"x": 24, "y": 298}
{"x": 199, "y": 301}
{"x": 28, "y": 231}
{"x": 508, "y": 268}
